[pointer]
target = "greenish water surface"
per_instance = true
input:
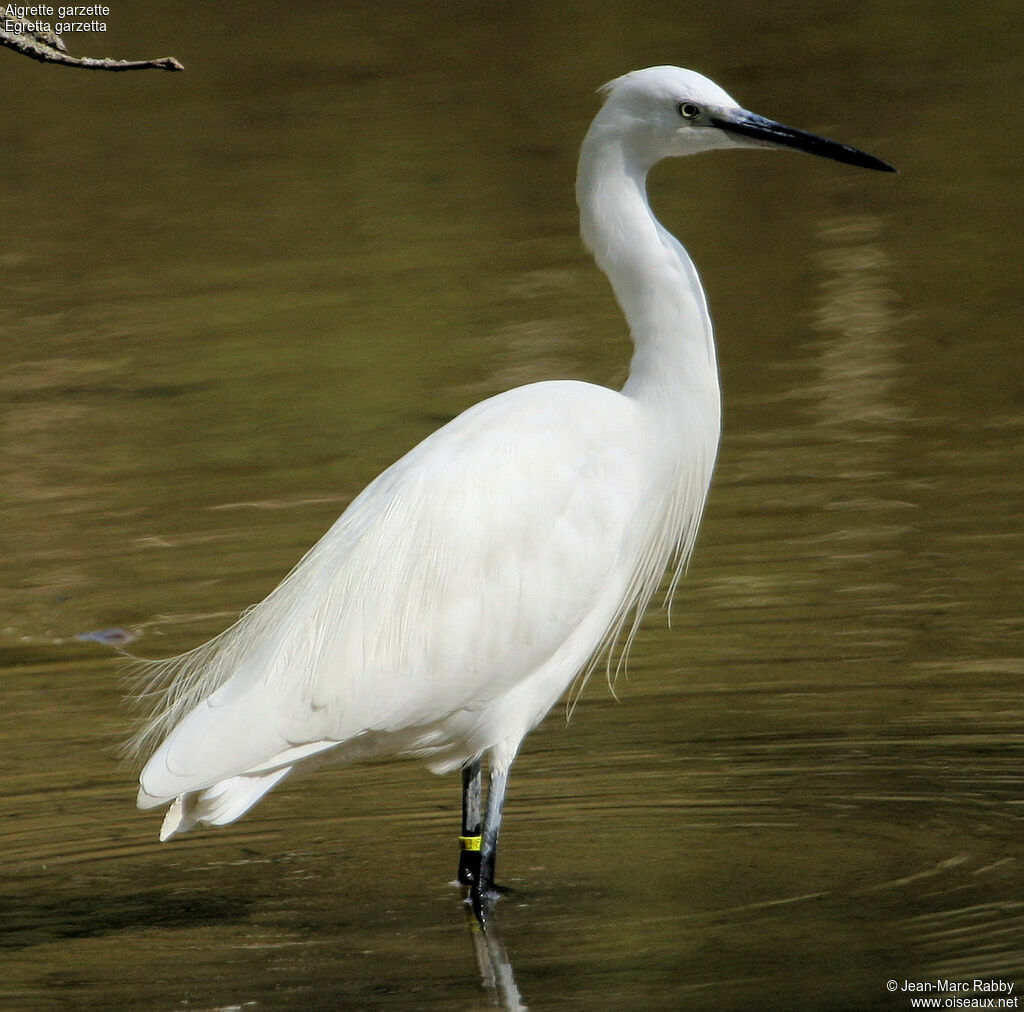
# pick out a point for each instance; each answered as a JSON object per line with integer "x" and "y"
{"x": 232, "y": 296}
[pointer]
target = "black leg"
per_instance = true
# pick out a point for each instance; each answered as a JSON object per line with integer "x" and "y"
{"x": 484, "y": 890}
{"x": 469, "y": 841}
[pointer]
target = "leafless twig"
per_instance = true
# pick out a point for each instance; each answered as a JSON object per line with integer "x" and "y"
{"x": 22, "y": 35}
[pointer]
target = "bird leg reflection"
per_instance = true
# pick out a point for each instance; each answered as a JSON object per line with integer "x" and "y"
{"x": 497, "y": 976}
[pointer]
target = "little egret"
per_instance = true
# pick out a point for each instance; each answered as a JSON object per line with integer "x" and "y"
{"x": 460, "y": 594}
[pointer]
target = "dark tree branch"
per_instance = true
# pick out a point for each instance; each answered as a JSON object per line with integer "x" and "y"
{"x": 49, "y": 48}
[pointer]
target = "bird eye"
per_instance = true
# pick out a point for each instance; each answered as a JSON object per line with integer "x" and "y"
{"x": 688, "y": 110}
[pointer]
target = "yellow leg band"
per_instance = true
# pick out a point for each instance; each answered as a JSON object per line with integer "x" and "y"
{"x": 469, "y": 842}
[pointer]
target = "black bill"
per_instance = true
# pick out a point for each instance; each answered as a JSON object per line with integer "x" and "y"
{"x": 749, "y": 124}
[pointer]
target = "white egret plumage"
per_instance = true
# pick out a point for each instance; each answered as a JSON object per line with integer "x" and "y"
{"x": 460, "y": 594}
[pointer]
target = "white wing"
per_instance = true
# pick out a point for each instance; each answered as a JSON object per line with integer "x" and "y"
{"x": 461, "y": 571}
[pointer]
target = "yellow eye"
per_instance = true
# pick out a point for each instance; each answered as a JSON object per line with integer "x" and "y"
{"x": 688, "y": 110}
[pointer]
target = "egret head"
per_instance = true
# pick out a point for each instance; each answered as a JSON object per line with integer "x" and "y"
{"x": 663, "y": 112}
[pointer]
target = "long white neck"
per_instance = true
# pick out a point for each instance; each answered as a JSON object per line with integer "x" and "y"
{"x": 652, "y": 276}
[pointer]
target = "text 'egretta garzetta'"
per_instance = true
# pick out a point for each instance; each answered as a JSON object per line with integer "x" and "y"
{"x": 460, "y": 594}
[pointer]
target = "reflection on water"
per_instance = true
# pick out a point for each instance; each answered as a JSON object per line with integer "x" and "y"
{"x": 256, "y": 284}
{"x": 859, "y": 354}
{"x": 497, "y": 976}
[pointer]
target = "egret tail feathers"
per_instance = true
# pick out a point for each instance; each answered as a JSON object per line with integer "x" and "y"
{"x": 217, "y": 805}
